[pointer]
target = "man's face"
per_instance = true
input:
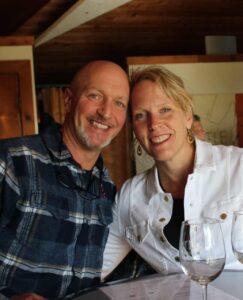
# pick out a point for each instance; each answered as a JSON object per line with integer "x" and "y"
{"x": 98, "y": 110}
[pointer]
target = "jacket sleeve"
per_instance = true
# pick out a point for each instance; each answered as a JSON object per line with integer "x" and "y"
{"x": 116, "y": 247}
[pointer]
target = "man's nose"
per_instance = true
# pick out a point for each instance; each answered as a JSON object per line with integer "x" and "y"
{"x": 105, "y": 109}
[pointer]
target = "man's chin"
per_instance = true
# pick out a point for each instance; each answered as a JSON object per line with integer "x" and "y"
{"x": 97, "y": 146}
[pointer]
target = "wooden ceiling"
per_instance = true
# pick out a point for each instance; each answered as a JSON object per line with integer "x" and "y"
{"x": 137, "y": 28}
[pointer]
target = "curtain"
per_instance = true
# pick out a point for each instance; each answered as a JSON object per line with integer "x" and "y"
{"x": 117, "y": 156}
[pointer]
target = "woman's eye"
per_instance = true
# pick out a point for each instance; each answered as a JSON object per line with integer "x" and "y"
{"x": 139, "y": 116}
{"x": 165, "y": 109}
{"x": 121, "y": 104}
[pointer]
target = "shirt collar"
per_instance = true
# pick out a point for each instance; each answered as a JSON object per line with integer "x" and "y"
{"x": 52, "y": 139}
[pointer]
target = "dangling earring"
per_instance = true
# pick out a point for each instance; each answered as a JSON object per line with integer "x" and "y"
{"x": 190, "y": 137}
{"x": 139, "y": 150}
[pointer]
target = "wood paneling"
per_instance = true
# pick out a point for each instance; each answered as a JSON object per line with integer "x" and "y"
{"x": 10, "y": 113}
{"x": 17, "y": 40}
{"x": 19, "y": 74}
{"x": 138, "y": 28}
{"x": 14, "y": 13}
{"x": 239, "y": 115}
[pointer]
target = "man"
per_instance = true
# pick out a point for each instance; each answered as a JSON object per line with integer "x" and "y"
{"x": 198, "y": 129}
{"x": 56, "y": 195}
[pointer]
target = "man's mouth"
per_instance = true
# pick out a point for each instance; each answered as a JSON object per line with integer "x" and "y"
{"x": 160, "y": 139}
{"x": 100, "y": 125}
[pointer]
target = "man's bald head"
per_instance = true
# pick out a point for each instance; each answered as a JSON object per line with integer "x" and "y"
{"x": 83, "y": 76}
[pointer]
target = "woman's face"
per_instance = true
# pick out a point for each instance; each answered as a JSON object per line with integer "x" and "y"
{"x": 160, "y": 125}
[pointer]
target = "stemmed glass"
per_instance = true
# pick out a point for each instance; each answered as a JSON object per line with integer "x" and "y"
{"x": 202, "y": 251}
{"x": 237, "y": 235}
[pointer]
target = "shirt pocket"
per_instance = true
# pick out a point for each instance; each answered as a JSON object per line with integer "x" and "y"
{"x": 43, "y": 224}
{"x": 137, "y": 232}
{"x": 223, "y": 209}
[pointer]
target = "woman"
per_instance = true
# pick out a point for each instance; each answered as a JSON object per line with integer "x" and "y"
{"x": 191, "y": 178}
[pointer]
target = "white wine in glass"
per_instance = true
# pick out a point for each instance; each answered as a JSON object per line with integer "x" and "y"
{"x": 237, "y": 235}
{"x": 202, "y": 250}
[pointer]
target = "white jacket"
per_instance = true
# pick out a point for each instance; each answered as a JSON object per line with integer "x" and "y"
{"x": 142, "y": 208}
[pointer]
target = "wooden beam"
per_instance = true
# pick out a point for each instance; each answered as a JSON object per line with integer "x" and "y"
{"x": 80, "y": 13}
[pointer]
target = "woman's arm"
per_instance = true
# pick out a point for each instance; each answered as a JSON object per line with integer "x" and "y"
{"x": 116, "y": 247}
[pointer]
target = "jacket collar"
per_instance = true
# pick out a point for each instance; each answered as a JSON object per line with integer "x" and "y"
{"x": 152, "y": 183}
{"x": 204, "y": 157}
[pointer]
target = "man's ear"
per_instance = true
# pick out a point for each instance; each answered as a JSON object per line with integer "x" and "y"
{"x": 67, "y": 99}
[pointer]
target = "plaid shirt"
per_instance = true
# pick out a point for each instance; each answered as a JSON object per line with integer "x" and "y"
{"x": 53, "y": 217}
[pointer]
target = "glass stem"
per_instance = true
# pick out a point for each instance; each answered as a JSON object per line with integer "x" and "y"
{"x": 204, "y": 291}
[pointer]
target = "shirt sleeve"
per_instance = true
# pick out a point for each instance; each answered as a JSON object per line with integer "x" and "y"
{"x": 116, "y": 247}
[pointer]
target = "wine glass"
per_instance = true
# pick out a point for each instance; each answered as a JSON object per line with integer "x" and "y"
{"x": 237, "y": 235}
{"x": 202, "y": 251}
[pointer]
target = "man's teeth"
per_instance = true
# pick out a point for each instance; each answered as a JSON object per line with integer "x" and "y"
{"x": 100, "y": 125}
{"x": 160, "y": 139}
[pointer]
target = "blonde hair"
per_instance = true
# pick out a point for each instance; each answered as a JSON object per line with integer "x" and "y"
{"x": 172, "y": 85}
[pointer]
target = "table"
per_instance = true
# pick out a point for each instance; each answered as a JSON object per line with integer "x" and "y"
{"x": 228, "y": 286}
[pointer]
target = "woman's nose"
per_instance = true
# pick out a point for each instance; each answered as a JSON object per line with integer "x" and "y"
{"x": 153, "y": 123}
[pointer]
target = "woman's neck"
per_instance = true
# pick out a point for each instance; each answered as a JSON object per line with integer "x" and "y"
{"x": 173, "y": 174}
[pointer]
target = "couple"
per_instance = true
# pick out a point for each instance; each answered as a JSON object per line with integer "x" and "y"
{"x": 56, "y": 195}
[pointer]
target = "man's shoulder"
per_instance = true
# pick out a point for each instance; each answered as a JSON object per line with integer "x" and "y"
{"x": 31, "y": 141}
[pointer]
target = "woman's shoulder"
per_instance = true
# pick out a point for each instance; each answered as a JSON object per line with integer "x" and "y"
{"x": 138, "y": 181}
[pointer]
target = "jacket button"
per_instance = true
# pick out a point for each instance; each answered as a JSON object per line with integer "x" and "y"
{"x": 162, "y": 239}
{"x": 139, "y": 238}
{"x": 177, "y": 258}
{"x": 223, "y": 216}
{"x": 166, "y": 198}
{"x": 162, "y": 219}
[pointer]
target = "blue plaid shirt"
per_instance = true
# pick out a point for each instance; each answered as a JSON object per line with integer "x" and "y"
{"x": 53, "y": 217}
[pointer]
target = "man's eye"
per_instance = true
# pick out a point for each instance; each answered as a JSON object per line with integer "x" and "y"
{"x": 121, "y": 104}
{"x": 94, "y": 96}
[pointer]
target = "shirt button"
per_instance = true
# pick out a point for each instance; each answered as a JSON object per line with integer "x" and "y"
{"x": 139, "y": 238}
{"x": 162, "y": 219}
{"x": 223, "y": 216}
{"x": 190, "y": 204}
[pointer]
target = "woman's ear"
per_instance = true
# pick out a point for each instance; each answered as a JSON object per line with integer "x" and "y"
{"x": 189, "y": 120}
{"x": 67, "y": 99}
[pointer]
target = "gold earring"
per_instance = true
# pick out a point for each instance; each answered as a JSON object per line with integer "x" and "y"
{"x": 139, "y": 150}
{"x": 190, "y": 137}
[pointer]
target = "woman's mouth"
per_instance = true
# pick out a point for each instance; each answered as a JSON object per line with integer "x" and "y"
{"x": 159, "y": 139}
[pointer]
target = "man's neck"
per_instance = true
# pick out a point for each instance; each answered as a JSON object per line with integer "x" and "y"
{"x": 86, "y": 158}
